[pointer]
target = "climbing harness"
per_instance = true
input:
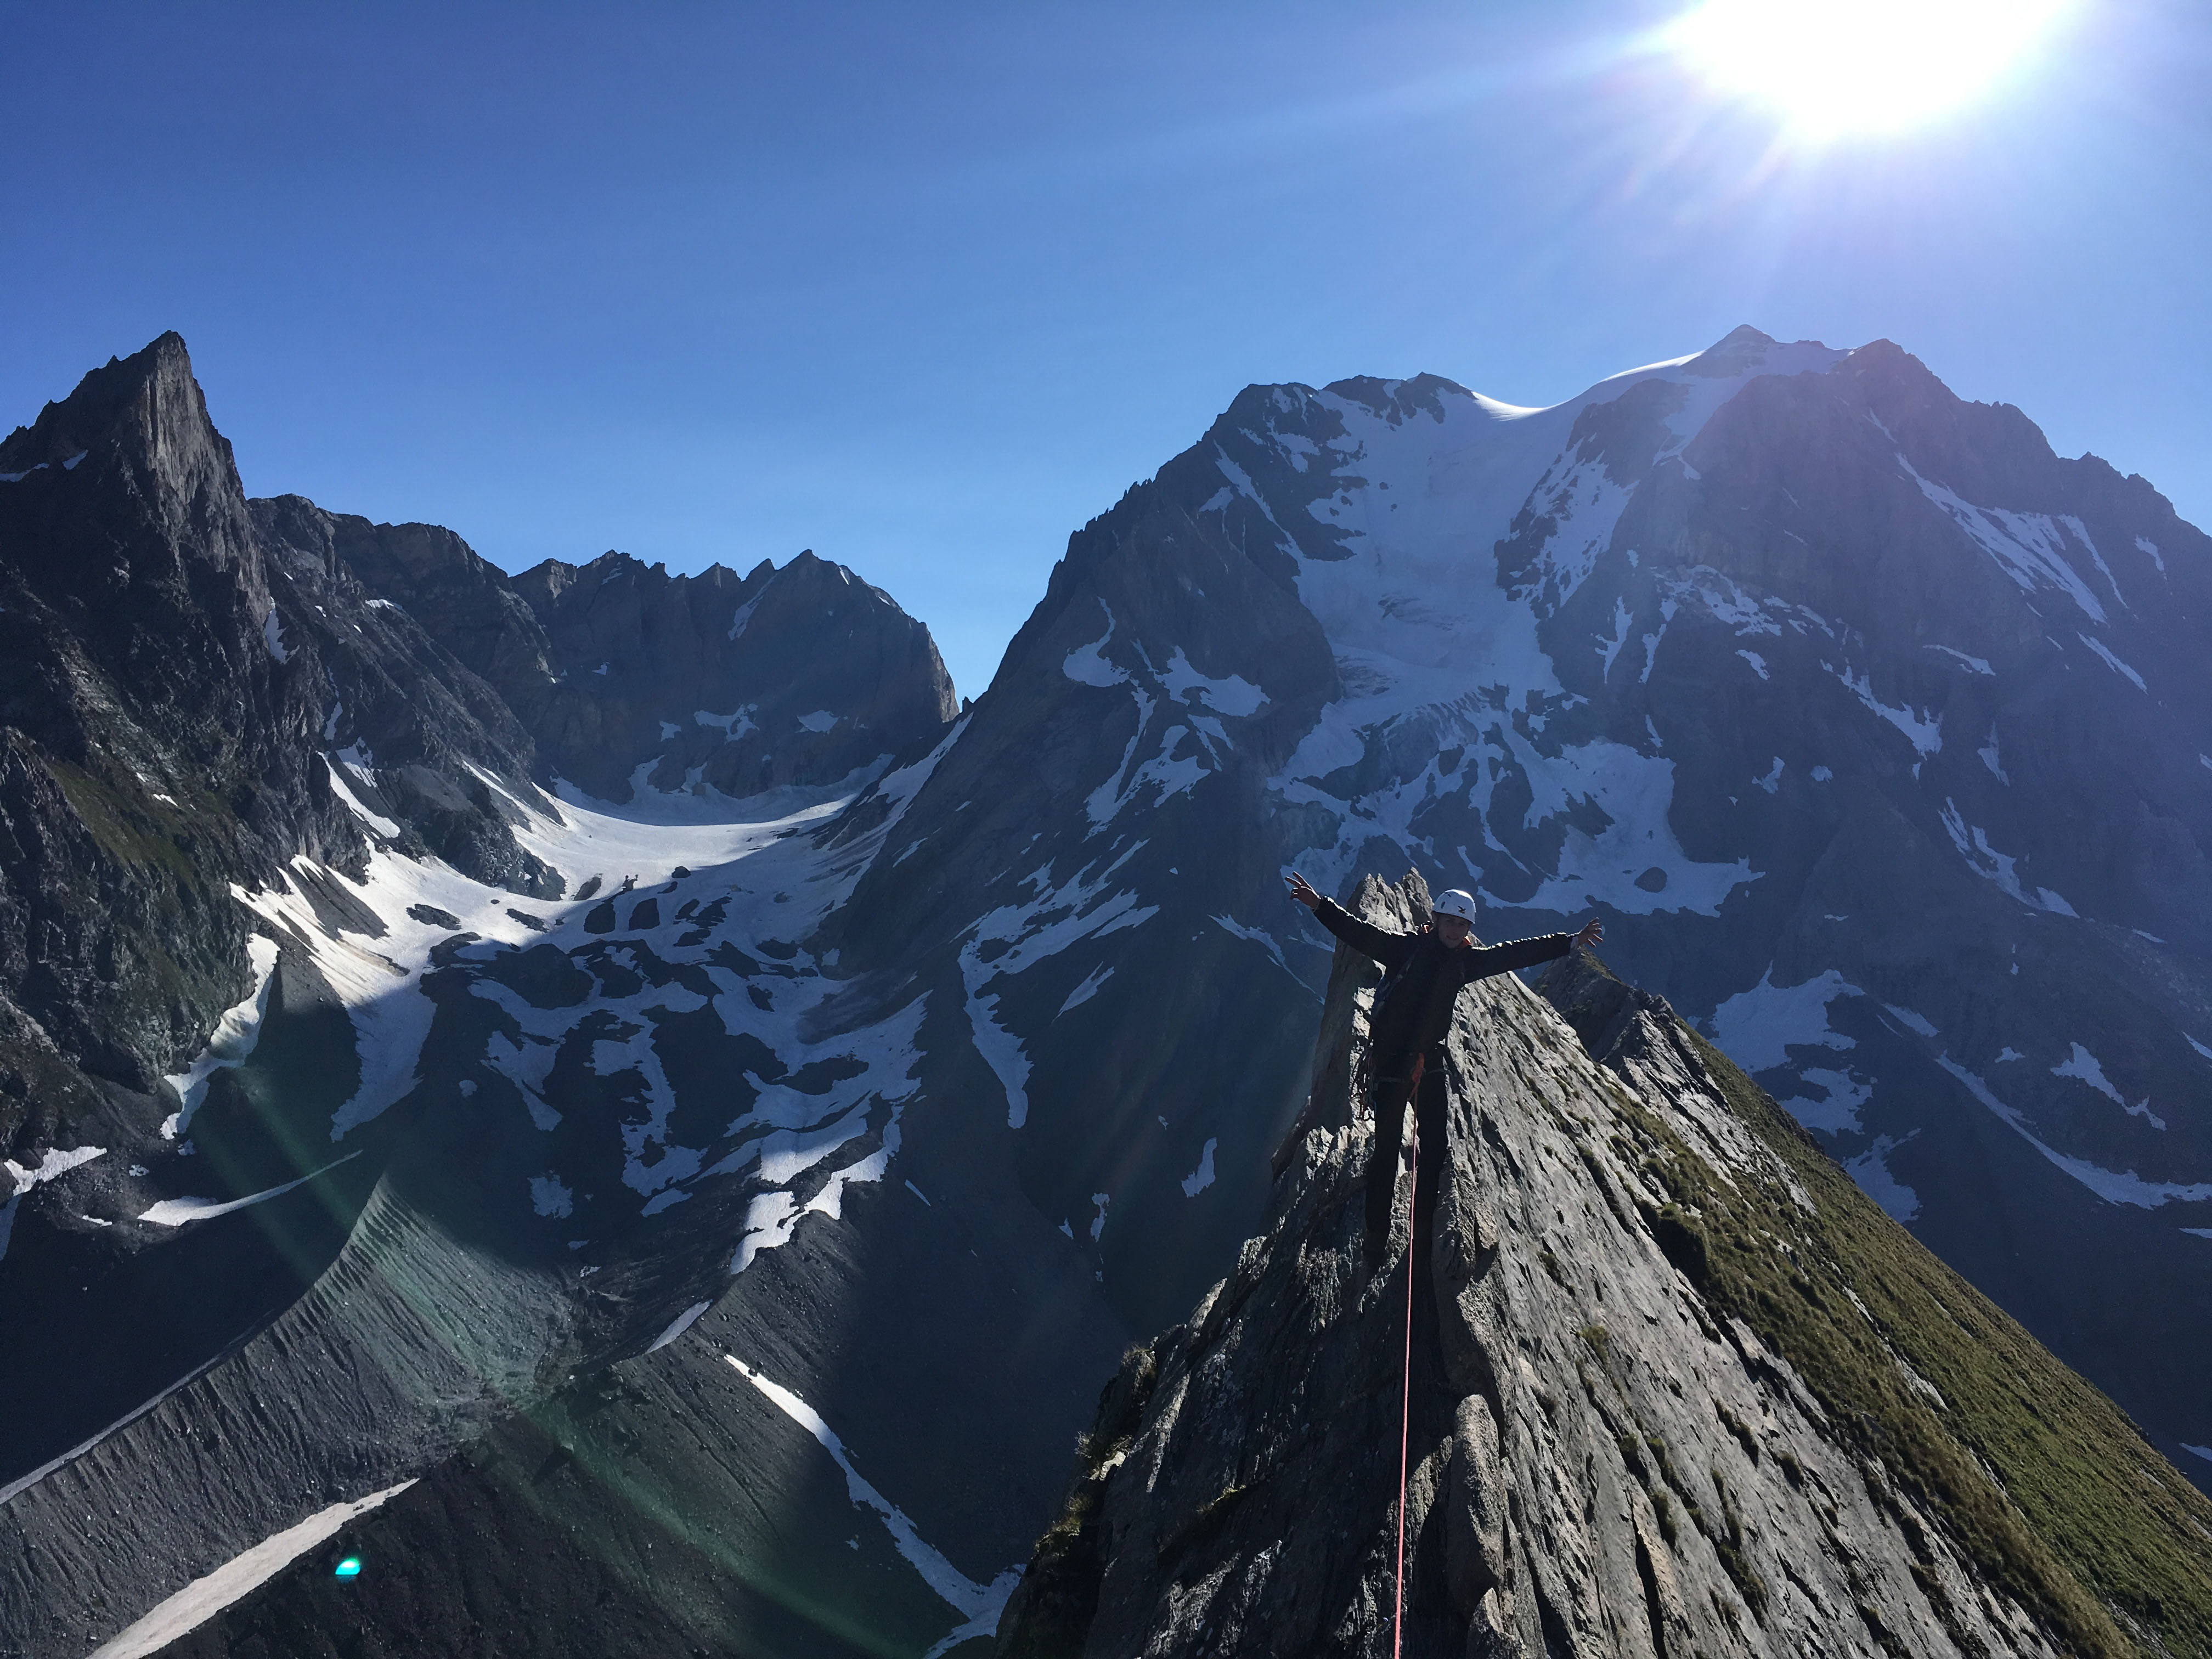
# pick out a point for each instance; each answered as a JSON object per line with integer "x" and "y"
{"x": 1405, "y": 1396}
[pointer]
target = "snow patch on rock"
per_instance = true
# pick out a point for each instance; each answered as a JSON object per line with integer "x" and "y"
{"x": 1758, "y": 1028}
{"x": 2028, "y": 547}
{"x": 1870, "y": 1168}
{"x": 2082, "y": 1064}
{"x": 1202, "y": 1177}
{"x": 2114, "y": 1186}
{"x": 1980, "y": 664}
{"x": 176, "y": 1212}
{"x": 1923, "y": 733}
{"x": 677, "y": 1326}
{"x": 2113, "y": 662}
{"x": 1083, "y": 993}
{"x": 204, "y": 1597}
{"x": 234, "y": 1038}
{"x": 1019, "y": 936}
{"x": 1985, "y": 861}
{"x": 1233, "y": 694}
{"x": 50, "y": 1165}
{"x": 979, "y": 1605}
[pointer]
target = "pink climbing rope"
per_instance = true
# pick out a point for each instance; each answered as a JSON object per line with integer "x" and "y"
{"x": 1405, "y": 1427}
{"x": 1406, "y": 1398}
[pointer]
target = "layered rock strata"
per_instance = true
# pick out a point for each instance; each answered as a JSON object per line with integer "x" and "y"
{"x": 1668, "y": 1398}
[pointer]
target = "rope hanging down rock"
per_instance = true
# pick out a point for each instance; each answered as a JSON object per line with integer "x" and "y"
{"x": 1406, "y": 1395}
{"x": 1405, "y": 1425}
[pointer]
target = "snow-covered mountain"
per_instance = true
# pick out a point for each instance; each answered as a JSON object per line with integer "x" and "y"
{"x": 394, "y": 1151}
{"x": 1874, "y": 730}
{"x": 688, "y": 1140}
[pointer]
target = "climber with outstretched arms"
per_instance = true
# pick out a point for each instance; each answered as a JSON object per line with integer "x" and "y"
{"x": 1423, "y": 974}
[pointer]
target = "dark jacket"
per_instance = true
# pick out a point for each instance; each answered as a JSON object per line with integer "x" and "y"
{"x": 1422, "y": 979}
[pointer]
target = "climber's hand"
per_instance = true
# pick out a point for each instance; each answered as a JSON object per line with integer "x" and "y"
{"x": 1592, "y": 932}
{"x": 1301, "y": 890}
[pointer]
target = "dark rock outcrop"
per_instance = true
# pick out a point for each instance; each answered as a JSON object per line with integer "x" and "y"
{"x": 1677, "y": 1388}
{"x": 157, "y": 743}
{"x": 417, "y": 733}
{"x": 625, "y": 676}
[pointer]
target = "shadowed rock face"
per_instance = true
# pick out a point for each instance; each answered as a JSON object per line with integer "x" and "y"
{"x": 797, "y": 676}
{"x": 1613, "y": 1449}
{"x": 155, "y": 743}
{"x": 417, "y": 736}
{"x": 625, "y": 676}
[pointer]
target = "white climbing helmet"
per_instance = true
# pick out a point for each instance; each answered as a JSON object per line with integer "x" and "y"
{"x": 1458, "y": 901}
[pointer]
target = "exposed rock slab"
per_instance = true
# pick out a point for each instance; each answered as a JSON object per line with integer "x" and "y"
{"x": 1605, "y": 1458}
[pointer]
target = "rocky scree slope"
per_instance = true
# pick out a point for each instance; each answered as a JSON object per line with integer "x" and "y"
{"x": 1677, "y": 1388}
{"x": 1871, "y": 727}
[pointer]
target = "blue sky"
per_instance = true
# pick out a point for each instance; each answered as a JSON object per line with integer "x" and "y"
{"x": 924, "y": 288}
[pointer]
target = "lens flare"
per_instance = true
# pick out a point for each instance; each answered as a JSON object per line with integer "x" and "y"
{"x": 348, "y": 1567}
{"x": 1834, "y": 68}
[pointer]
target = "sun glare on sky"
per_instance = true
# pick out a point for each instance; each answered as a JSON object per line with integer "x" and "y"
{"x": 1832, "y": 69}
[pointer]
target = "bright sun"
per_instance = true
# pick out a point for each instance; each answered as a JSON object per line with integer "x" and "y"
{"x": 1832, "y": 68}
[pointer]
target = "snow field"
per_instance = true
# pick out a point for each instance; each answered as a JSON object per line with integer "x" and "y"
{"x": 1423, "y": 631}
{"x": 201, "y": 1600}
{"x": 748, "y": 862}
{"x": 980, "y": 1605}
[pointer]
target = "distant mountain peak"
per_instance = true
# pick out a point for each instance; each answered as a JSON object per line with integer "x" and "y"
{"x": 1397, "y": 401}
{"x": 148, "y": 403}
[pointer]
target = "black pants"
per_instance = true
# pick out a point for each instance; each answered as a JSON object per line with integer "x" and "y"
{"x": 1418, "y": 1081}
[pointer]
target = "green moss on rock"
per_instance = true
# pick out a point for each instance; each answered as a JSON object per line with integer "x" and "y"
{"x": 2042, "y": 1481}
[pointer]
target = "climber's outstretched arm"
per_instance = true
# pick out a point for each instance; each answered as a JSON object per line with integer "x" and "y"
{"x": 1484, "y": 962}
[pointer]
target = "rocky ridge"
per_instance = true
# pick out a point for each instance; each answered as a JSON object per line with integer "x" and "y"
{"x": 156, "y": 746}
{"x": 1654, "y": 1408}
{"x": 628, "y": 679}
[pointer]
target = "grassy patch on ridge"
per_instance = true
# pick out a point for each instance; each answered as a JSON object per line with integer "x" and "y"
{"x": 2034, "y": 1475}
